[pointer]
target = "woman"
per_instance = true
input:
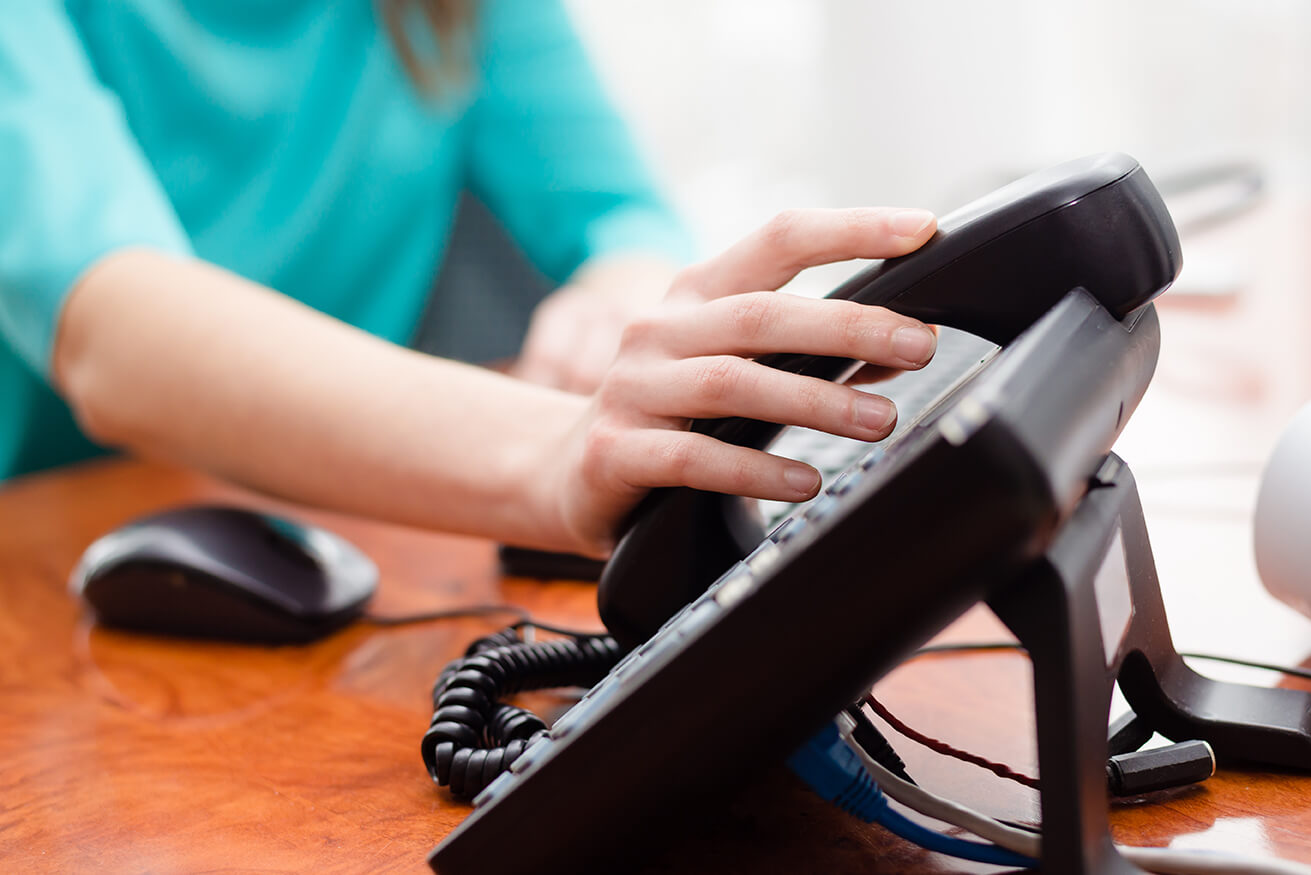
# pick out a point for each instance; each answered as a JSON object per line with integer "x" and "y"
{"x": 165, "y": 166}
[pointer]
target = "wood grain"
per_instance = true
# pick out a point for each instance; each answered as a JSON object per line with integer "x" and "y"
{"x": 129, "y": 754}
{"x": 138, "y": 754}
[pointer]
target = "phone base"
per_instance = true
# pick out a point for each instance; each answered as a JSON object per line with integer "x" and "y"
{"x": 1090, "y": 613}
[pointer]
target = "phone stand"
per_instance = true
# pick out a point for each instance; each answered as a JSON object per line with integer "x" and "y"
{"x": 1090, "y": 613}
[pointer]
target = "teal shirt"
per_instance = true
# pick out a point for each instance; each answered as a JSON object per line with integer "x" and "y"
{"x": 282, "y": 139}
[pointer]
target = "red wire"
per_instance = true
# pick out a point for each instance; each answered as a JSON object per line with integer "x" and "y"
{"x": 999, "y": 769}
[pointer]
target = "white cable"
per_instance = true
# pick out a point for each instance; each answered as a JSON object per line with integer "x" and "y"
{"x": 932, "y": 805}
{"x": 1165, "y": 861}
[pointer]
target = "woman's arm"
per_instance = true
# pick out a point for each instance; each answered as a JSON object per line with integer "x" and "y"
{"x": 175, "y": 358}
{"x": 178, "y": 359}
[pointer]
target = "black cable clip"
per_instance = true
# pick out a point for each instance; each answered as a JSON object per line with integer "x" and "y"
{"x": 1132, "y": 772}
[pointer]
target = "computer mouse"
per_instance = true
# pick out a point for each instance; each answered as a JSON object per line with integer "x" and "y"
{"x": 225, "y": 573}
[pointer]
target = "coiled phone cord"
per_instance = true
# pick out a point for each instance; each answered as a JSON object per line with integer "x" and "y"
{"x": 473, "y": 736}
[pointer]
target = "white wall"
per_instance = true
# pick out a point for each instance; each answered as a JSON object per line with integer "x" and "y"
{"x": 747, "y": 106}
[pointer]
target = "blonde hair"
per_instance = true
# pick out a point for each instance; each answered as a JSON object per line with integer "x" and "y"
{"x": 450, "y": 23}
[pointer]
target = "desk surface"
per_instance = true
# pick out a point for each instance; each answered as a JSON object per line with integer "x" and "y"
{"x": 133, "y": 754}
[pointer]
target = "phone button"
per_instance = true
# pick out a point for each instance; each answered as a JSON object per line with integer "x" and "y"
{"x": 845, "y": 481}
{"x": 872, "y": 459}
{"x": 820, "y": 508}
{"x": 786, "y": 529}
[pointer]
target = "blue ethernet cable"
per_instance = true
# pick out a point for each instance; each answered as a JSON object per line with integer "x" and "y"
{"x": 831, "y": 768}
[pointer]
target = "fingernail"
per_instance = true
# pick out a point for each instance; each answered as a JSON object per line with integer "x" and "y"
{"x": 875, "y": 413}
{"x": 914, "y": 345}
{"x": 804, "y": 480}
{"x": 910, "y": 223}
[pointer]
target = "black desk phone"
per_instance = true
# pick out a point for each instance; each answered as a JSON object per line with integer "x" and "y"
{"x": 741, "y": 646}
{"x": 992, "y": 269}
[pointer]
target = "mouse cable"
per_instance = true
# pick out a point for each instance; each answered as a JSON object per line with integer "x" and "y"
{"x": 466, "y": 612}
{"x": 1168, "y": 861}
{"x": 525, "y": 619}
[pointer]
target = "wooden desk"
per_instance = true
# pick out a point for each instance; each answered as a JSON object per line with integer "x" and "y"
{"x": 130, "y": 754}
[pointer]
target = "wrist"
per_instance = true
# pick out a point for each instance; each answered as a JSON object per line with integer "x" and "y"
{"x": 540, "y": 473}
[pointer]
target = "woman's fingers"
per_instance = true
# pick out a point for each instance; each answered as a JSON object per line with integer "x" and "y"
{"x": 756, "y": 323}
{"x": 715, "y": 386}
{"x": 796, "y": 239}
{"x": 691, "y": 358}
{"x": 655, "y": 457}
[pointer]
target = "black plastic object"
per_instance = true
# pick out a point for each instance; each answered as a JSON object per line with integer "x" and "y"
{"x": 1161, "y": 768}
{"x": 1127, "y": 733}
{"x": 1089, "y": 612}
{"x": 803, "y": 626}
{"x": 547, "y": 565}
{"x": 473, "y": 736}
{"x": 992, "y": 269}
{"x": 225, "y": 573}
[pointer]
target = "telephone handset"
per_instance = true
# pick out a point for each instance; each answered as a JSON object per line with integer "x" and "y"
{"x": 993, "y": 268}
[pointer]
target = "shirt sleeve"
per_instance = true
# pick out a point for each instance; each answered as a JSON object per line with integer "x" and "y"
{"x": 74, "y": 183}
{"x": 549, "y": 155}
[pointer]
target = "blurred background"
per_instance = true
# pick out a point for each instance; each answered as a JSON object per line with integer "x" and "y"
{"x": 746, "y": 107}
{"x": 749, "y": 106}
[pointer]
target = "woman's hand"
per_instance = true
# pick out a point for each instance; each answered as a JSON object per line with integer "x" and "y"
{"x": 293, "y": 402}
{"x": 575, "y": 331}
{"x": 691, "y": 358}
